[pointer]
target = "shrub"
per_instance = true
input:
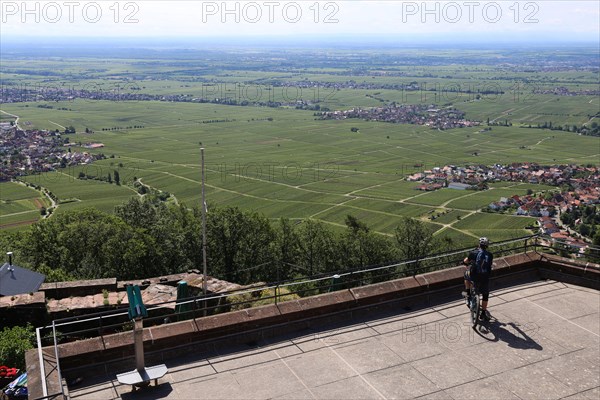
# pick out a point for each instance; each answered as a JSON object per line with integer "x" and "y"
{"x": 265, "y": 297}
{"x": 14, "y": 342}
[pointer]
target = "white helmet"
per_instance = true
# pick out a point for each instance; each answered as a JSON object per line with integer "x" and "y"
{"x": 484, "y": 242}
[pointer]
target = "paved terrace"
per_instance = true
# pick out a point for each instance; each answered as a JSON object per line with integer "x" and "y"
{"x": 544, "y": 343}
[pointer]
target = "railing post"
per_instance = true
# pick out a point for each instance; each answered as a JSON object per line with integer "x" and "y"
{"x": 57, "y": 359}
{"x": 334, "y": 279}
{"x": 41, "y": 361}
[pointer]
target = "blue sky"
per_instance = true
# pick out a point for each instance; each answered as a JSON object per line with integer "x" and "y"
{"x": 469, "y": 20}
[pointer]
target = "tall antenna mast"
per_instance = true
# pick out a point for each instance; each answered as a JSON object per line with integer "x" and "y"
{"x": 204, "y": 272}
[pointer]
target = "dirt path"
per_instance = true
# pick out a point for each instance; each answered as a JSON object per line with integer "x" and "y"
{"x": 158, "y": 190}
{"x": 461, "y": 197}
{"x": 332, "y": 207}
{"x": 513, "y": 110}
{"x": 59, "y": 125}
{"x": 541, "y": 141}
{"x": 16, "y": 120}
{"x": 374, "y": 186}
{"x": 20, "y": 213}
{"x": 591, "y": 119}
{"x": 20, "y": 223}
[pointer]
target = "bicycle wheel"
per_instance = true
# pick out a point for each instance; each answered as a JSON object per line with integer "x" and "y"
{"x": 475, "y": 308}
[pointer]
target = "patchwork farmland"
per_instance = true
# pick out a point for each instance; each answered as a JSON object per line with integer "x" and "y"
{"x": 284, "y": 161}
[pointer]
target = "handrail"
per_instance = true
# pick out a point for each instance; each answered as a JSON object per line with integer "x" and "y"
{"x": 41, "y": 361}
{"x": 51, "y": 396}
{"x": 315, "y": 280}
{"x": 62, "y": 389}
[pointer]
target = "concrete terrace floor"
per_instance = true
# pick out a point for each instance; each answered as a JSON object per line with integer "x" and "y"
{"x": 543, "y": 344}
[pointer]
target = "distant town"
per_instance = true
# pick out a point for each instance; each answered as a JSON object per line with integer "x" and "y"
{"x": 418, "y": 114}
{"x": 562, "y": 214}
{"x": 34, "y": 151}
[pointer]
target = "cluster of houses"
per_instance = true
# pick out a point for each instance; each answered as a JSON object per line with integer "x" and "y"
{"x": 561, "y": 237}
{"x": 125, "y": 92}
{"x": 476, "y": 175}
{"x": 34, "y": 151}
{"x": 563, "y": 91}
{"x": 579, "y": 185}
{"x": 418, "y": 114}
{"x": 548, "y": 205}
{"x": 214, "y": 94}
{"x": 350, "y": 84}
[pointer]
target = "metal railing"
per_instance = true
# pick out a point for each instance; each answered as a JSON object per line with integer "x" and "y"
{"x": 98, "y": 324}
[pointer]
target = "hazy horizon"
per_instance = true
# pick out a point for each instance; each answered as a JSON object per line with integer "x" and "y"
{"x": 346, "y": 41}
{"x": 403, "y": 22}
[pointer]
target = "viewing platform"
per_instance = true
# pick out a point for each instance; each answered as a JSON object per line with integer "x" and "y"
{"x": 403, "y": 338}
{"x": 544, "y": 343}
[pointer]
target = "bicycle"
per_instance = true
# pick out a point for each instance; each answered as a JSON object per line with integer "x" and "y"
{"x": 474, "y": 303}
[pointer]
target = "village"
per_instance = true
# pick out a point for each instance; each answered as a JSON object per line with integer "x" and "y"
{"x": 36, "y": 151}
{"x": 418, "y": 114}
{"x": 563, "y": 91}
{"x": 576, "y": 188}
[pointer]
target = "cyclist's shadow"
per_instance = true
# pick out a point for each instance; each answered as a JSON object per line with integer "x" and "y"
{"x": 515, "y": 335}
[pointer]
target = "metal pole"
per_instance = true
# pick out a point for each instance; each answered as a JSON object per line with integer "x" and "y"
{"x": 62, "y": 389}
{"x": 204, "y": 270}
{"x": 41, "y": 361}
{"x": 138, "y": 341}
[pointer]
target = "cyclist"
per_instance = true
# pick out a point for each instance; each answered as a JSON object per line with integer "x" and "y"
{"x": 479, "y": 268}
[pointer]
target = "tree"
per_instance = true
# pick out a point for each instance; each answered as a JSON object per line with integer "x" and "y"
{"x": 287, "y": 249}
{"x": 109, "y": 178}
{"x": 165, "y": 225}
{"x": 14, "y": 342}
{"x": 318, "y": 246}
{"x": 139, "y": 213}
{"x": 89, "y": 244}
{"x": 414, "y": 239}
{"x": 584, "y": 229}
{"x": 593, "y": 251}
{"x": 355, "y": 225}
{"x": 239, "y": 245}
{"x": 117, "y": 177}
{"x": 359, "y": 247}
